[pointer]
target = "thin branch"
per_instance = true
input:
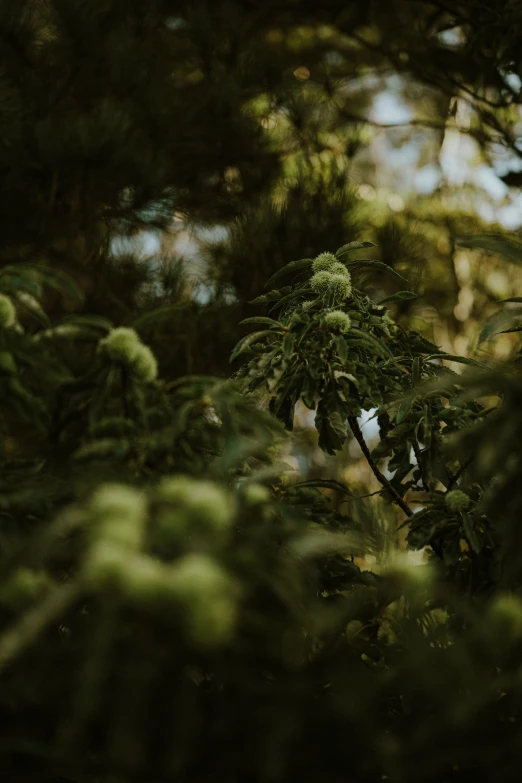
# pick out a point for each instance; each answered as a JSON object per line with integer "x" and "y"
{"x": 453, "y": 480}
{"x": 354, "y": 425}
{"x": 26, "y": 630}
{"x": 417, "y": 452}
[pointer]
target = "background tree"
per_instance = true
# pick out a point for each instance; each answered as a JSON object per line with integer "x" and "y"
{"x": 236, "y": 138}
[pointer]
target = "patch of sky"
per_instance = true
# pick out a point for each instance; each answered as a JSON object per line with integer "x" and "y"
{"x": 485, "y": 177}
{"x": 213, "y": 234}
{"x": 144, "y": 244}
{"x": 427, "y": 179}
{"x": 513, "y": 81}
{"x": 388, "y": 108}
{"x": 203, "y": 293}
{"x": 451, "y": 37}
{"x": 510, "y": 216}
{"x": 369, "y": 425}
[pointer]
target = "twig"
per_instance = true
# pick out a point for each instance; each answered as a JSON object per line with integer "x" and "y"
{"x": 453, "y": 479}
{"x": 354, "y": 425}
{"x": 36, "y": 620}
{"x": 417, "y": 452}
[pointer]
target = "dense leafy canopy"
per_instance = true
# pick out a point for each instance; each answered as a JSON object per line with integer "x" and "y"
{"x": 176, "y": 603}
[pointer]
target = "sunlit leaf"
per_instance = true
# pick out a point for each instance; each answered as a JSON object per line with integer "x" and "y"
{"x": 494, "y": 243}
{"x": 400, "y": 295}
{"x": 293, "y": 266}
{"x": 260, "y": 319}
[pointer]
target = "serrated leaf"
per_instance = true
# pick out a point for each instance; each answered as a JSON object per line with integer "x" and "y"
{"x": 498, "y": 321}
{"x": 260, "y": 319}
{"x": 494, "y": 243}
{"x": 378, "y": 265}
{"x": 452, "y": 358}
{"x": 293, "y": 294}
{"x": 272, "y": 296}
{"x": 400, "y": 295}
{"x": 341, "y": 347}
{"x": 337, "y": 426}
{"x": 288, "y": 344}
{"x": 379, "y": 347}
{"x": 247, "y": 341}
{"x": 293, "y": 266}
{"x": 353, "y": 246}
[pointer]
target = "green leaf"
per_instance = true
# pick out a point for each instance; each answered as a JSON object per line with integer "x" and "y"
{"x": 67, "y": 332}
{"x": 405, "y": 408}
{"x": 416, "y": 371}
{"x": 353, "y": 246}
{"x": 288, "y": 344}
{"x": 503, "y": 318}
{"x": 459, "y": 359}
{"x": 21, "y": 277}
{"x": 308, "y": 392}
{"x": 272, "y": 296}
{"x": 103, "y": 448}
{"x": 289, "y": 297}
{"x": 341, "y": 348}
{"x": 513, "y": 299}
{"x": 30, "y": 303}
{"x": 376, "y": 344}
{"x": 247, "y": 341}
{"x": 261, "y": 319}
{"x": 7, "y": 363}
{"x": 494, "y": 243}
{"x": 326, "y": 483}
{"x": 158, "y": 314}
{"x": 54, "y": 278}
{"x": 378, "y": 265}
{"x": 293, "y": 266}
{"x": 95, "y": 321}
{"x": 29, "y": 466}
{"x": 404, "y": 295}
{"x": 336, "y": 429}
{"x": 471, "y": 535}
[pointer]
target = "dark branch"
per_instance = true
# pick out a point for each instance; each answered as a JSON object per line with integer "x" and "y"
{"x": 354, "y": 425}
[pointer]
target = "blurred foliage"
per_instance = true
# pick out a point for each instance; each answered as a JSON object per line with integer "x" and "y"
{"x": 188, "y": 592}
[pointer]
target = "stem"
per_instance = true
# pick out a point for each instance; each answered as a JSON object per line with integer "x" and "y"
{"x": 417, "y": 452}
{"x": 453, "y": 480}
{"x": 354, "y": 425}
{"x": 35, "y": 621}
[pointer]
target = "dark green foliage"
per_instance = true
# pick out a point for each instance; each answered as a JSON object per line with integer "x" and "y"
{"x": 174, "y": 606}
